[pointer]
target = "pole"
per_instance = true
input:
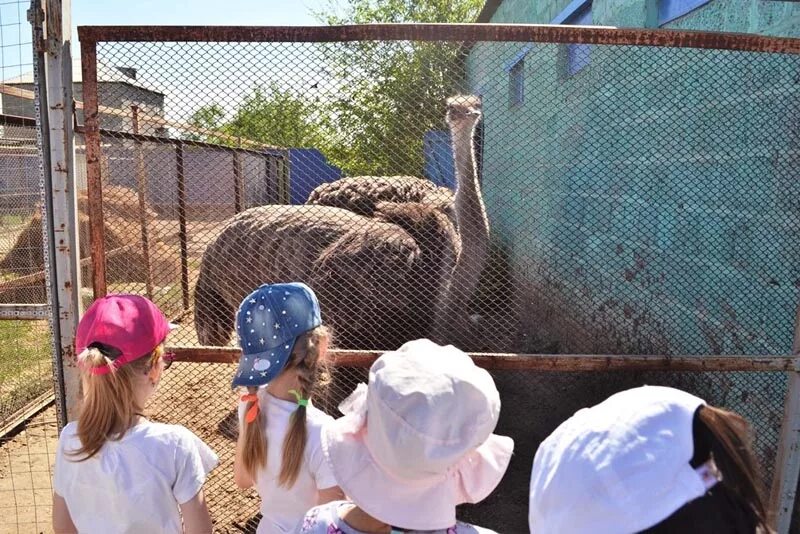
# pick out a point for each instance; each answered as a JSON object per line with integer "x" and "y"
{"x": 182, "y": 236}
{"x": 54, "y": 62}
{"x": 787, "y": 464}
{"x": 141, "y": 186}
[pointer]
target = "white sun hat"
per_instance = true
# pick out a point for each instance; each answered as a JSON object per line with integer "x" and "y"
{"x": 418, "y": 441}
{"x": 618, "y": 467}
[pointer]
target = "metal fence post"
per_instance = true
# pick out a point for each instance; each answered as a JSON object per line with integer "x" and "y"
{"x": 182, "y": 236}
{"x": 237, "y": 182}
{"x": 55, "y": 86}
{"x": 141, "y": 186}
{"x": 94, "y": 180}
{"x": 787, "y": 464}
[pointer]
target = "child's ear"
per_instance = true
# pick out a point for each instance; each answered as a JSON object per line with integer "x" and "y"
{"x": 323, "y": 347}
{"x": 155, "y": 372}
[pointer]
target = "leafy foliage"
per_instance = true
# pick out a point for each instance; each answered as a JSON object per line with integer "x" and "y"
{"x": 381, "y": 85}
{"x": 376, "y": 89}
{"x": 271, "y": 116}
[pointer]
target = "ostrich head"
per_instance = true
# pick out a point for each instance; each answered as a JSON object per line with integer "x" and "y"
{"x": 463, "y": 112}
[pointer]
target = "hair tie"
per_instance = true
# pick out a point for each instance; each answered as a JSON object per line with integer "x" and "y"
{"x": 300, "y": 400}
{"x": 252, "y": 412}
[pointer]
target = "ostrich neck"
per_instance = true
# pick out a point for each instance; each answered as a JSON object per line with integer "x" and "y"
{"x": 473, "y": 225}
{"x": 473, "y": 230}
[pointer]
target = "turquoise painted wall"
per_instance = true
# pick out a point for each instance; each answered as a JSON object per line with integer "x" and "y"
{"x": 653, "y": 197}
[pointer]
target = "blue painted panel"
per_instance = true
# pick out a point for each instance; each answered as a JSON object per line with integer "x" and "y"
{"x": 518, "y": 57}
{"x": 566, "y": 16}
{"x": 439, "y": 159}
{"x": 669, "y": 10}
{"x": 308, "y": 168}
{"x": 578, "y": 55}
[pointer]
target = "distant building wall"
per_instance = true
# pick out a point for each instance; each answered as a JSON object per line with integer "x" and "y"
{"x": 112, "y": 94}
{"x": 652, "y": 192}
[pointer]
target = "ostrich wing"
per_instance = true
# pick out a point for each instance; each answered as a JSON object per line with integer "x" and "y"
{"x": 360, "y": 194}
{"x": 272, "y": 244}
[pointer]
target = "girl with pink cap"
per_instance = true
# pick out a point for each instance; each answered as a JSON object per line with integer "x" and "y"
{"x": 115, "y": 471}
{"x": 414, "y": 444}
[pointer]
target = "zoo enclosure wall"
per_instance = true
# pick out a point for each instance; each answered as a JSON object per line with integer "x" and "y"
{"x": 622, "y": 222}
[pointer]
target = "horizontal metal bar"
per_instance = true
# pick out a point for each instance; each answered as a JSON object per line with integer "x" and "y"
{"x": 444, "y": 32}
{"x": 186, "y": 142}
{"x": 542, "y": 362}
{"x": 14, "y": 120}
{"x": 25, "y": 312}
{"x": 13, "y": 423}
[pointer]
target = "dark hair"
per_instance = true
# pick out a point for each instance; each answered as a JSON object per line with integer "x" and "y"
{"x": 736, "y": 504}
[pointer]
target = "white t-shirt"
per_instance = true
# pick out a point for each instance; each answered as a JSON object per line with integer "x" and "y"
{"x": 133, "y": 485}
{"x": 326, "y": 519}
{"x": 282, "y": 508}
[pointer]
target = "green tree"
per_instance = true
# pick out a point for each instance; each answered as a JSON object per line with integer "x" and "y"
{"x": 390, "y": 93}
{"x": 271, "y": 116}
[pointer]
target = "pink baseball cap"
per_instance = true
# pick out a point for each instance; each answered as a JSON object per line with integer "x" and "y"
{"x": 131, "y": 325}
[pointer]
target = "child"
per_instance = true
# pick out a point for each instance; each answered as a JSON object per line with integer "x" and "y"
{"x": 115, "y": 471}
{"x": 278, "y": 450}
{"x": 413, "y": 445}
{"x": 651, "y": 459}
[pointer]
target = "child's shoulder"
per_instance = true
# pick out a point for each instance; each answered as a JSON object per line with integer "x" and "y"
{"x": 173, "y": 434}
{"x": 316, "y": 417}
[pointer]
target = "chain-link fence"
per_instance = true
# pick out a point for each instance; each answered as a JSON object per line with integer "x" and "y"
{"x": 28, "y": 425}
{"x": 587, "y": 198}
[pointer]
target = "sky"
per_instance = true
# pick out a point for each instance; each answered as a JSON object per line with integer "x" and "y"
{"x": 165, "y": 72}
{"x": 197, "y": 12}
{"x": 15, "y": 58}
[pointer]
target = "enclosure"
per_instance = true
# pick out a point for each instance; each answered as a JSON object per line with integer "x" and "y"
{"x": 602, "y": 208}
{"x": 639, "y": 191}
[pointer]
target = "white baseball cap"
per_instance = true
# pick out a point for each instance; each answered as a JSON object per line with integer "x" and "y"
{"x": 620, "y": 466}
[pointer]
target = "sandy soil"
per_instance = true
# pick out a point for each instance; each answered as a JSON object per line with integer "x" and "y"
{"x": 26, "y": 461}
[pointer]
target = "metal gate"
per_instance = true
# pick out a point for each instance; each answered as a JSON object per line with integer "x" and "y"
{"x": 625, "y": 213}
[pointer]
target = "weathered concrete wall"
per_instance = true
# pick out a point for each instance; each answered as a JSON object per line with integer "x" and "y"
{"x": 649, "y": 202}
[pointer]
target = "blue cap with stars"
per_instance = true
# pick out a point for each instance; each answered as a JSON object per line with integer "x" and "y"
{"x": 268, "y": 322}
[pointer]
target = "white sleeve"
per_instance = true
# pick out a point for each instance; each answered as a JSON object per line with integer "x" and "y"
{"x": 58, "y": 467}
{"x": 193, "y": 461}
{"x": 317, "y": 464}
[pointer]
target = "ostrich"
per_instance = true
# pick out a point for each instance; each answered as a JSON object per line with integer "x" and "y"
{"x": 380, "y": 279}
{"x": 360, "y": 194}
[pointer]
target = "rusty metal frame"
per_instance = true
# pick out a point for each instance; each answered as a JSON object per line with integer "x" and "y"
{"x": 443, "y": 32}
{"x": 465, "y": 33}
{"x": 788, "y": 462}
{"x": 542, "y": 362}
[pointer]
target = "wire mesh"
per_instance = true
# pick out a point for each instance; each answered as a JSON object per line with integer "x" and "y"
{"x": 28, "y": 423}
{"x": 610, "y": 199}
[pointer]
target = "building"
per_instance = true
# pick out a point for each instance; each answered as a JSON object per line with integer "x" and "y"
{"x": 648, "y": 197}
{"x": 117, "y": 88}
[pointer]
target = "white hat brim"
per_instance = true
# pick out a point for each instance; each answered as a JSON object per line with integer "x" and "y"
{"x": 426, "y": 504}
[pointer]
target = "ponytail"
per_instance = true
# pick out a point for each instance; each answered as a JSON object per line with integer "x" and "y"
{"x": 109, "y": 405}
{"x": 312, "y": 374}
{"x": 729, "y": 445}
{"x": 254, "y": 453}
{"x": 735, "y": 504}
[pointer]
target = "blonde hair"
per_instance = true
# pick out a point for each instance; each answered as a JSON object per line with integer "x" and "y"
{"x": 312, "y": 374}
{"x": 109, "y": 404}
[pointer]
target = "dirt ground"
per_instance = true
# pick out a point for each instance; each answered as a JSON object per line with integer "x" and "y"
{"x": 26, "y": 461}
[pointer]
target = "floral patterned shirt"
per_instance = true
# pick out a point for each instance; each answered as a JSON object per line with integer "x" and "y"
{"x": 325, "y": 519}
